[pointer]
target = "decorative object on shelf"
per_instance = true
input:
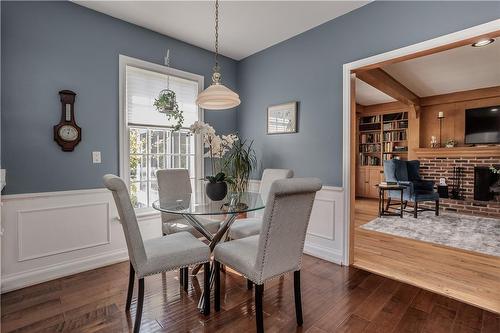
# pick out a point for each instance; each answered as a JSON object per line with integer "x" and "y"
{"x": 217, "y": 146}
{"x": 167, "y": 103}
{"x": 450, "y": 143}
{"x": 282, "y": 118}
{"x": 217, "y": 96}
{"x": 434, "y": 142}
{"x": 441, "y": 120}
{"x": 67, "y": 133}
{"x": 239, "y": 163}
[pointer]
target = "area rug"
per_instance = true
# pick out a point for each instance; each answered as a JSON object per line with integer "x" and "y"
{"x": 473, "y": 233}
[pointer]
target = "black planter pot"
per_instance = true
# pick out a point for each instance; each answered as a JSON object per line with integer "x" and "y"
{"x": 216, "y": 191}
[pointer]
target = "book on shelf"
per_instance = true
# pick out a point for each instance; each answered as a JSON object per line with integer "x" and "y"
{"x": 368, "y": 160}
{"x": 370, "y": 138}
{"x": 370, "y": 119}
{"x": 395, "y": 136}
{"x": 369, "y": 148}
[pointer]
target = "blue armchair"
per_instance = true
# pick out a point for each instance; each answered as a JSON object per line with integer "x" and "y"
{"x": 417, "y": 190}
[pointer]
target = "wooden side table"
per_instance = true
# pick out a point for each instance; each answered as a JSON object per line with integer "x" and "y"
{"x": 384, "y": 211}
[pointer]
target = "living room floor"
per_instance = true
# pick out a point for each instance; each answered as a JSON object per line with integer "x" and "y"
{"x": 464, "y": 275}
{"x": 335, "y": 299}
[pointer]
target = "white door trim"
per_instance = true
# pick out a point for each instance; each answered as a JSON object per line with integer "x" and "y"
{"x": 347, "y": 68}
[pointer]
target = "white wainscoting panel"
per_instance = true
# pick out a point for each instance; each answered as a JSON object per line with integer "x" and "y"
{"x": 55, "y": 234}
{"x": 324, "y": 237}
{"x": 72, "y": 227}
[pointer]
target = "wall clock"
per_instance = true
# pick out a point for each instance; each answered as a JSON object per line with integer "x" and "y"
{"x": 67, "y": 133}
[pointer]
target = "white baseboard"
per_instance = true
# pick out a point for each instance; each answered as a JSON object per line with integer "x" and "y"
{"x": 325, "y": 253}
{"x": 39, "y": 275}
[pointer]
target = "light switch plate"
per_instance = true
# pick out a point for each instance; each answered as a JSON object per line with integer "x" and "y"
{"x": 96, "y": 157}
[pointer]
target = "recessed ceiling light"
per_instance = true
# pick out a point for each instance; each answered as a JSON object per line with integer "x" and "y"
{"x": 494, "y": 110}
{"x": 483, "y": 42}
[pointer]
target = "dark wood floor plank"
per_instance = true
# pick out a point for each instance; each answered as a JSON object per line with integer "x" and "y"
{"x": 335, "y": 299}
{"x": 390, "y": 315}
{"x": 413, "y": 321}
{"x": 491, "y": 322}
{"x": 440, "y": 320}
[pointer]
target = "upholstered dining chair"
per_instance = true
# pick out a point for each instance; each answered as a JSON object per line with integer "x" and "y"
{"x": 278, "y": 249}
{"x": 252, "y": 225}
{"x": 156, "y": 255}
{"x": 173, "y": 183}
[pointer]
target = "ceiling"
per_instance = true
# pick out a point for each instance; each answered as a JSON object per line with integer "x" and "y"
{"x": 246, "y": 27}
{"x": 459, "y": 69}
{"x": 368, "y": 95}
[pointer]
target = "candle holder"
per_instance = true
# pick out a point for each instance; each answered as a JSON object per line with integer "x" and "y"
{"x": 441, "y": 120}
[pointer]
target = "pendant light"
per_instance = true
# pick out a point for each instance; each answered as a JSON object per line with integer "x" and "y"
{"x": 217, "y": 96}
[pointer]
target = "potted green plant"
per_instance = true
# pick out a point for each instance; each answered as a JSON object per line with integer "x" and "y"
{"x": 240, "y": 161}
{"x": 217, "y": 146}
{"x": 167, "y": 103}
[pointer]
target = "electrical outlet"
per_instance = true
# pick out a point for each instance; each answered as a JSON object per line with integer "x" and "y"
{"x": 96, "y": 157}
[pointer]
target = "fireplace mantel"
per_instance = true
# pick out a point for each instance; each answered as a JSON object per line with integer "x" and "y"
{"x": 489, "y": 151}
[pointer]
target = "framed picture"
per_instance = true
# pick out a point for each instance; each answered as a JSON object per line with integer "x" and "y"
{"x": 282, "y": 118}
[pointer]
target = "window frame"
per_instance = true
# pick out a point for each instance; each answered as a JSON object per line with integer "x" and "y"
{"x": 124, "y": 148}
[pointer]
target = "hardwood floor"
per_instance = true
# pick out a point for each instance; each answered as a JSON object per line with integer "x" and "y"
{"x": 335, "y": 299}
{"x": 470, "y": 277}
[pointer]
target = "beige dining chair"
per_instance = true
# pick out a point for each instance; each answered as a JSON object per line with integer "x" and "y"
{"x": 278, "y": 249}
{"x": 250, "y": 226}
{"x": 156, "y": 255}
{"x": 173, "y": 184}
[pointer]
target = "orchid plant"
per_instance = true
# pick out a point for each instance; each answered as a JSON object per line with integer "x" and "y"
{"x": 217, "y": 146}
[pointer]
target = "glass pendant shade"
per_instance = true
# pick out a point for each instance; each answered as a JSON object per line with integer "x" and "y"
{"x": 218, "y": 97}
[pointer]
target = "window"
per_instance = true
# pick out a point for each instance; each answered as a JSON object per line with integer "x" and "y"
{"x": 148, "y": 142}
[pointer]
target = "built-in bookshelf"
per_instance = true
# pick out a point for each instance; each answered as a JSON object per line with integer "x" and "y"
{"x": 382, "y": 137}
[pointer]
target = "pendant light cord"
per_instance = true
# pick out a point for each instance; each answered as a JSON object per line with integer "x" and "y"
{"x": 216, "y": 76}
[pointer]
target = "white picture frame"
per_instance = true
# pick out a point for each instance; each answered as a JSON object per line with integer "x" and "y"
{"x": 282, "y": 118}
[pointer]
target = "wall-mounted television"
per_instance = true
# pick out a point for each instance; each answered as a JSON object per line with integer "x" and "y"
{"x": 482, "y": 125}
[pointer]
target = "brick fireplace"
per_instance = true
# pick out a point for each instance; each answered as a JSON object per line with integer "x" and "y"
{"x": 435, "y": 166}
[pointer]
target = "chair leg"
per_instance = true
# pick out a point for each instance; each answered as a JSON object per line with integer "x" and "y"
{"x": 140, "y": 304}
{"x": 415, "y": 207}
{"x": 185, "y": 275}
{"x": 298, "y": 297}
{"x": 206, "y": 288}
{"x": 217, "y": 286}
{"x": 249, "y": 284}
{"x": 437, "y": 207}
{"x": 259, "y": 313}
{"x": 131, "y": 278}
{"x": 181, "y": 276}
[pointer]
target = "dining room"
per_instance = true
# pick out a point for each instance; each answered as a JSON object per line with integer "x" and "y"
{"x": 179, "y": 166}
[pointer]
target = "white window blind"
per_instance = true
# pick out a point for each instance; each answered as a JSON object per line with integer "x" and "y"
{"x": 143, "y": 86}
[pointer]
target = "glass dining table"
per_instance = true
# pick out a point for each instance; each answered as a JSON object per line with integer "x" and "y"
{"x": 194, "y": 205}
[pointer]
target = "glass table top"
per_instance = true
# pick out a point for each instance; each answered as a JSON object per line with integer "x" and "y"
{"x": 199, "y": 203}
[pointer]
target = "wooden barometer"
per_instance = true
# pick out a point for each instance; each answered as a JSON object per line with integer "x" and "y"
{"x": 67, "y": 133}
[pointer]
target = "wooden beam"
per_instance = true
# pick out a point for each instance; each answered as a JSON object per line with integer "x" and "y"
{"x": 382, "y": 81}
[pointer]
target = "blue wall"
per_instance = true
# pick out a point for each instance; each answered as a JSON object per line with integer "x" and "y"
{"x": 50, "y": 46}
{"x": 308, "y": 68}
